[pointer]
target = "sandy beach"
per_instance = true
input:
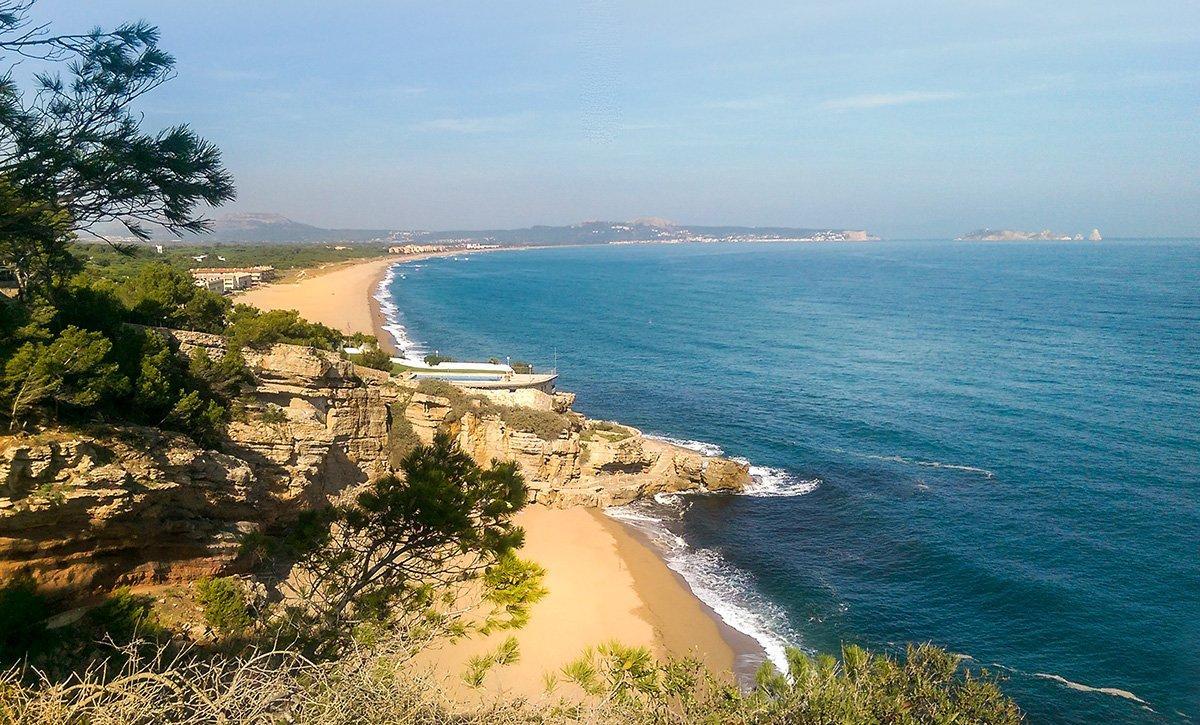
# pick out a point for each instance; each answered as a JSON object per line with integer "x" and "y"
{"x": 603, "y": 586}
{"x": 338, "y": 295}
{"x": 605, "y": 583}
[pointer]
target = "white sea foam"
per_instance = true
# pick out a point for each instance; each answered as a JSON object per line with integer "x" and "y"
{"x": 706, "y": 449}
{"x": 727, "y": 590}
{"x": 409, "y": 348}
{"x": 933, "y": 464}
{"x": 766, "y": 482}
{"x": 1080, "y": 687}
{"x": 1113, "y": 691}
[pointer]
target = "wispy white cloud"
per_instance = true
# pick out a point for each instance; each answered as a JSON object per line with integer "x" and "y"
{"x": 473, "y": 125}
{"x": 756, "y": 103}
{"x": 882, "y": 100}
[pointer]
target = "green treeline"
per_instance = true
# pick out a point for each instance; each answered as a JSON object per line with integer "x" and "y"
{"x": 335, "y": 602}
{"x": 83, "y": 349}
{"x": 109, "y": 262}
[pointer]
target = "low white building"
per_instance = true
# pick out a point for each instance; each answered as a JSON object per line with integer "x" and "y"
{"x": 220, "y": 279}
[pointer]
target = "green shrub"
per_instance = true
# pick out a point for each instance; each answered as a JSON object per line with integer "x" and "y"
{"x": 522, "y": 367}
{"x": 512, "y": 585}
{"x": 374, "y": 358}
{"x": 73, "y": 373}
{"x": 606, "y": 431}
{"x": 160, "y": 295}
{"x": 252, "y": 328}
{"x": 545, "y": 424}
{"x": 23, "y": 611}
{"x": 460, "y": 400}
{"x": 224, "y": 603}
{"x": 434, "y": 359}
{"x": 204, "y": 420}
{"x": 273, "y": 415}
{"x": 506, "y": 653}
{"x": 124, "y": 617}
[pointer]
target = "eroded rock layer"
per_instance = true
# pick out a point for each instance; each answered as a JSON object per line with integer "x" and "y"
{"x": 91, "y": 509}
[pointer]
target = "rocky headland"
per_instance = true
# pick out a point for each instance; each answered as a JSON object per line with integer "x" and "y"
{"x": 84, "y": 510}
{"x": 1012, "y": 235}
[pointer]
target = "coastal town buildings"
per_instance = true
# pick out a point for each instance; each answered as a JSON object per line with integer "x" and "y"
{"x": 414, "y": 249}
{"x": 231, "y": 279}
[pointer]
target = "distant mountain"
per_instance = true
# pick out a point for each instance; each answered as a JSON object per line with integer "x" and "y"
{"x": 256, "y": 228}
{"x": 275, "y": 228}
{"x": 648, "y": 229}
{"x": 1011, "y": 235}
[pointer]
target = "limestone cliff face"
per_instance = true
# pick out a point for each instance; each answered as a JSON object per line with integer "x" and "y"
{"x": 131, "y": 507}
{"x": 570, "y": 471}
{"x": 93, "y": 509}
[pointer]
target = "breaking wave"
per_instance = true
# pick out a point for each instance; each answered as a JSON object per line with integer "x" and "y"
{"x": 766, "y": 482}
{"x": 724, "y": 588}
{"x": 706, "y": 449}
{"x": 409, "y": 348}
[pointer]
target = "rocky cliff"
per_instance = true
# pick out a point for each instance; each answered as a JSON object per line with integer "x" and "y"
{"x": 579, "y": 467}
{"x": 95, "y": 508}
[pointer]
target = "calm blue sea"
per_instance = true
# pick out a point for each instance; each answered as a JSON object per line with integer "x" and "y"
{"x": 993, "y": 447}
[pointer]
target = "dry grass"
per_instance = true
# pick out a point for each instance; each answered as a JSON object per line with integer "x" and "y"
{"x": 622, "y": 685}
{"x": 544, "y": 424}
{"x": 605, "y": 430}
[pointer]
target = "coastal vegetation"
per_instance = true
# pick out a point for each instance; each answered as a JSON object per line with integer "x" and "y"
{"x": 605, "y": 430}
{"x": 545, "y": 424}
{"x": 374, "y": 357}
{"x": 118, "y": 264}
{"x": 354, "y": 589}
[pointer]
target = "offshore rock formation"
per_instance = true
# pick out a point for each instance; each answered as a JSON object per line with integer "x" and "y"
{"x": 87, "y": 510}
{"x": 1013, "y": 235}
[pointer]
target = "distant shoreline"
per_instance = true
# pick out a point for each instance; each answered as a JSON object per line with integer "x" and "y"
{"x": 662, "y": 611}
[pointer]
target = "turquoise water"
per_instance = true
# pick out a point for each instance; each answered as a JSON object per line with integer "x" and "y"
{"x": 993, "y": 447}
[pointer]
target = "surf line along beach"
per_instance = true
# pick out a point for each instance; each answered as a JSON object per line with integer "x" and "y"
{"x": 606, "y": 581}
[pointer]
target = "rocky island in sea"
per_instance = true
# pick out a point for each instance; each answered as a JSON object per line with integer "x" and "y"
{"x": 1012, "y": 235}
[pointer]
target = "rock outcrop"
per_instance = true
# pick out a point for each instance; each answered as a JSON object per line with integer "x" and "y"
{"x": 92, "y": 509}
{"x": 569, "y": 471}
{"x": 98, "y": 508}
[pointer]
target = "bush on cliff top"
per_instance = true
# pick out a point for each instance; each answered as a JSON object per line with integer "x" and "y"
{"x": 374, "y": 358}
{"x": 250, "y": 327}
{"x": 224, "y": 602}
{"x": 545, "y": 424}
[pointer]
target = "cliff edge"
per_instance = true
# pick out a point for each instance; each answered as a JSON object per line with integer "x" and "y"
{"x": 92, "y": 508}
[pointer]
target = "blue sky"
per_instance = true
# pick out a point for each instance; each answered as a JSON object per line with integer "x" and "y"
{"x": 906, "y": 118}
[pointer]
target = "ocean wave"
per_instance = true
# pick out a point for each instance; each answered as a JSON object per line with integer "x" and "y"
{"x": 1113, "y": 691}
{"x": 932, "y": 464}
{"x": 767, "y": 482}
{"x": 409, "y": 349}
{"x": 1077, "y": 686}
{"x": 706, "y": 449}
{"x": 727, "y": 590}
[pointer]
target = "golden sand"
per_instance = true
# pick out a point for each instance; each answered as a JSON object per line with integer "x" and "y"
{"x": 604, "y": 583}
